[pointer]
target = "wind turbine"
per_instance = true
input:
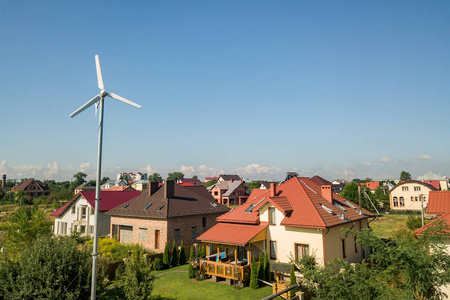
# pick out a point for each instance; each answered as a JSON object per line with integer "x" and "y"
{"x": 99, "y": 100}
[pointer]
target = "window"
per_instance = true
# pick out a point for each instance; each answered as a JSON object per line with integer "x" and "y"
{"x": 177, "y": 235}
{"x": 73, "y": 209}
{"x": 91, "y": 229}
{"x": 272, "y": 215}
{"x": 204, "y": 223}
{"x": 417, "y": 188}
{"x": 83, "y": 212}
{"x": 157, "y": 234}
{"x": 300, "y": 251}
{"x": 424, "y": 198}
{"x": 417, "y": 199}
{"x": 82, "y": 229}
{"x": 92, "y": 210}
{"x": 405, "y": 189}
{"x": 273, "y": 250}
{"x": 142, "y": 234}
{"x": 395, "y": 202}
{"x": 216, "y": 193}
{"x": 343, "y": 248}
{"x": 194, "y": 232}
{"x": 402, "y": 202}
{"x": 412, "y": 198}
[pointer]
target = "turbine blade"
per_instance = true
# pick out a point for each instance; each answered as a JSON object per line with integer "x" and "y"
{"x": 86, "y": 105}
{"x": 99, "y": 73}
{"x": 122, "y": 99}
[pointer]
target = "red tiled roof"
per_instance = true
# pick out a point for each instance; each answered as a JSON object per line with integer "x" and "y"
{"x": 57, "y": 212}
{"x": 108, "y": 200}
{"x": 372, "y": 185}
{"x": 435, "y": 183}
{"x": 438, "y": 202}
{"x": 119, "y": 188}
{"x": 185, "y": 184}
{"x": 227, "y": 233}
{"x": 303, "y": 197}
{"x": 445, "y": 218}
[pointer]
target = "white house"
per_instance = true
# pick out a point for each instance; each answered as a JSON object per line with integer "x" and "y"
{"x": 78, "y": 213}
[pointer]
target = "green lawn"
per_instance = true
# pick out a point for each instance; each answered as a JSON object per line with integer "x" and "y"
{"x": 386, "y": 225}
{"x": 177, "y": 285}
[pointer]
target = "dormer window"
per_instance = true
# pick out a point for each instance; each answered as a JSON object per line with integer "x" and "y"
{"x": 272, "y": 216}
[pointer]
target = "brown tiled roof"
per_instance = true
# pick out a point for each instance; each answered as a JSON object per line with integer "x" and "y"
{"x": 319, "y": 180}
{"x": 186, "y": 201}
{"x": 227, "y": 233}
{"x": 229, "y": 177}
{"x": 438, "y": 202}
{"x": 27, "y": 182}
{"x": 445, "y": 218}
{"x": 303, "y": 197}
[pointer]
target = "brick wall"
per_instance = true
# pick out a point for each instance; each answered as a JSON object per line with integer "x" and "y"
{"x": 167, "y": 229}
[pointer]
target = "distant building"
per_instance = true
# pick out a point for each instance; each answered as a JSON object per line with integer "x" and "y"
{"x": 338, "y": 185}
{"x": 192, "y": 181}
{"x": 408, "y": 194}
{"x": 78, "y": 213}
{"x": 33, "y": 188}
{"x": 120, "y": 188}
{"x": 132, "y": 176}
{"x": 265, "y": 185}
{"x": 164, "y": 214}
{"x": 140, "y": 185}
{"x": 228, "y": 190}
{"x": 84, "y": 187}
{"x": 111, "y": 183}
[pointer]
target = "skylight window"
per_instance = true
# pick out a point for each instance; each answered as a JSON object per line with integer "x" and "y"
{"x": 148, "y": 205}
{"x": 250, "y": 208}
{"x": 126, "y": 205}
{"x": 213, "y": 204}
{"x": 160, "y": 207}
{"x": 328, "y": 210}
{"x": 339, "y": 206}
{"x": 349, "y": 204}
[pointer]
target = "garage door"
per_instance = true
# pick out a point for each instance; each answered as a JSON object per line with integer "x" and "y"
{"x": 126, "y": 234}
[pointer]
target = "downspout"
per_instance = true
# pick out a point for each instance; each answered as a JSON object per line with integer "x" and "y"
{"x": 324, "y": 251}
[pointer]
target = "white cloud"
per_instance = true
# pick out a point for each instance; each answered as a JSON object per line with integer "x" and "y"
{"x": 188, "y": 171}
{"x": 257, "y": 169}
{"x": 149, "y": 170}
{"x": 384, "y": 159}
{"x": 424, "y": 157}
{"x": 85, "y": 166}
{"x": 51, "y": 171}
{"x": 366, "y": 164}
{"x": 4, "y": 168}
{"x": 346, "y": 173}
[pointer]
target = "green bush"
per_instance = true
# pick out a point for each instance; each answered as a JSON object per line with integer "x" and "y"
{"x": 115, "y": 250}
{"x": 166, "y": 258}
{"x": 267, "y": 267}
{"x": 191, "y": 271}
{"x": 182, "y": 259}
{"x": 174, "y": 257}
{"x": 261, "y": 273}
{"x": 254, "y": 275}
{"x": 192, "y": 255}
{"x": 136, "y": 278}
{"x": 157, "y": 264}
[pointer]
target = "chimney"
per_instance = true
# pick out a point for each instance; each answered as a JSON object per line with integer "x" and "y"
{"x": 327, "y": 193}
{"x": 169, "y": 187}
{"x": 232, "y": 180}
{"x": 153, "y": 187}
{"x": 273, "y": 189}
{"x": 4, "y": 180}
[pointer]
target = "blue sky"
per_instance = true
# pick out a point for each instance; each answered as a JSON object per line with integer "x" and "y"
{"x": 341, "y": 89}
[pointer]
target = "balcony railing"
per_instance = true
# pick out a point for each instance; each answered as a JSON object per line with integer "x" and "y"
{"x": 225, "y": 270}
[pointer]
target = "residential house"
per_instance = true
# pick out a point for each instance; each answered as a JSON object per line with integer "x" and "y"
{"x": 140, "y": 185}
{"x": 438, "y": 181}
{"x": 33, "y": 188}
{"x": 78, "y": 214}
{"x": 372, "y": 185}
{"x": 111, "y": 183}
{"x": 439, "y": 202}
{"x": 445, "y": 217}
{"x": 120, "y": 188}
{"x": 338, "y": 185}
{"x": 164, "y": 214}
{"x": 296, "y": 218}
{"x": 192, "y": 181}
{"x": 230, "y": 191}
{"x": 408, "y": 195}
{"x": 266, "y": 184}
{"x": 132, "y": 176}
{"x": 210, "y": 178}
{"x": 84, "y": 187}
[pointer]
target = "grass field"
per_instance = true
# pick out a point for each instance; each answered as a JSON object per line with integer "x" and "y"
{"x": 386, "y": 225}
{"x": 175, "y": 284}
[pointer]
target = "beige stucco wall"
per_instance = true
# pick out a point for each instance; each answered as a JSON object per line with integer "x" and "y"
{"x": 409, "y": 205}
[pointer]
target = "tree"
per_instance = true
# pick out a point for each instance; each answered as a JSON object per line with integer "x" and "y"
{"x": 293, "y": 281}
{"x": 261, "y": 273}
{"x": 166, "y": 259}
{"x": 182, "y": 259}
{"x": 104, "y": 180}
{"x": 136, "y": 278}
{"x": 174, "y": 257}
{"x": 195, "y": 177}
{"x": 403, "y": 268}
{"x": 254, "y": 275}
{"x": 413, "y": 223}
{"x": 79, "y": 179}
{"x": 350, "y": 192}
{"x": 405, "y": 176}
{"x": 267, "y": 266}
{"x": 192, "y": 255}
{"x": 210, "y": 183}
{"x": 253, "y": 185}
{"x": 175, "y": 176}
{"x": 155, "y": 177}
{"x": 51, "y": 268}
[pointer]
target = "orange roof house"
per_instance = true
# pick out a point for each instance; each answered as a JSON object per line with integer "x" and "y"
{"x": 300, "y": 216}
{"x": 439, "y": 202}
